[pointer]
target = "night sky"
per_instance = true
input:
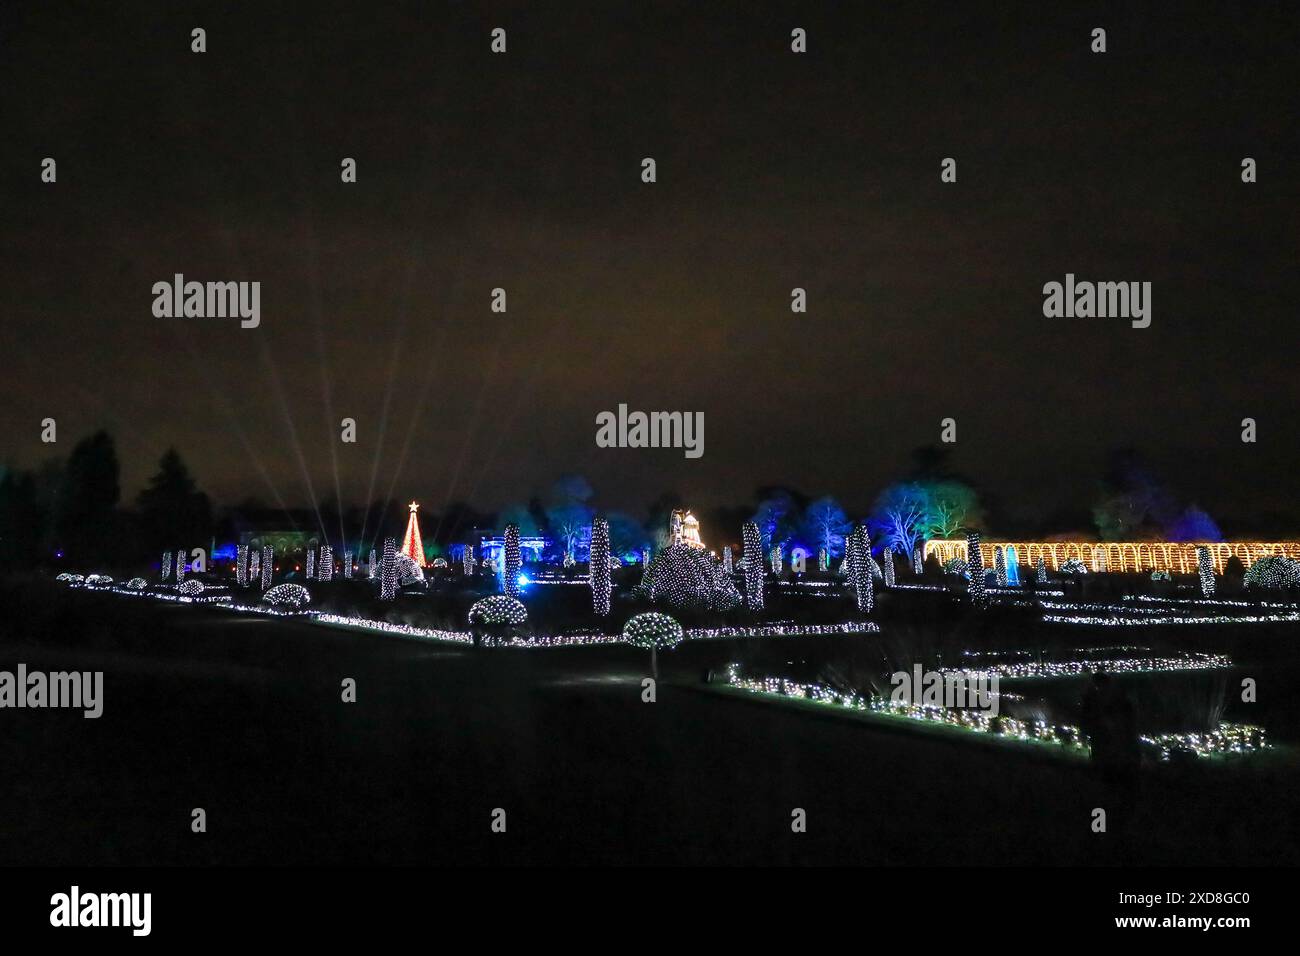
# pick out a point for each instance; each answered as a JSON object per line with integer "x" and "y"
{"x": 775, "y": 170}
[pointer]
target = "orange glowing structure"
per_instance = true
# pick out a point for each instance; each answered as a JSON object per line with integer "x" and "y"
{"x": 413, "y": 545}
{"x": 1174, "y": 557}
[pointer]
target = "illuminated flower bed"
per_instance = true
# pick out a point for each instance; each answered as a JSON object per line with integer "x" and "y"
{"x": 1226, "y": 739}
{"x": 1191, "y": 661}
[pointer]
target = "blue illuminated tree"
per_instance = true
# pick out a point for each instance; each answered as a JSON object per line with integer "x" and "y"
{"x": 825, "y": 525}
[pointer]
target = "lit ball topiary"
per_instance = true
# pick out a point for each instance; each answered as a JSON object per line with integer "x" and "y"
{"x": 190, "y": 587}
{"x": 956, "y": 566}
{"x": 287, "y": 596}
{"x": 653, "y": 630}
{"x": 497, "y": 611}
{"x": 137, "y": 584}
{"x": 686, "y": 578}
{"x": 1073, "y": 566}
{"x": 98, "y": 581}
{"x": 408, "y": 570}
{"x": 1274, "y": 571}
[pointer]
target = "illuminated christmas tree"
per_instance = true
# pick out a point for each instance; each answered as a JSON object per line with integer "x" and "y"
{"x": 347, "y": 565}
{"x": 751, "y": 554}
{"x": 467, "y": 559}
{"x": 1205, "y": 568}
{"x": 268, "y": 565}
{"x": 1040, "y": 571}
{"x": 412, "y": 545}
{"x": 311, "y": 563}
{"x": 726, "y": 559}
{"x": 513, "y": 561}
{"x": 1000, "y": 566}
{"x": 166, "y": 565}
{"x": 326, "y": 564}
{"x": 975, "y": 565}
{"x": 887, "y": 566}
{"x": 388, "y": 573}
{"x": 857, "y": 557}
{"x": 241, "y": 565}
{"x": 598, "y": 574}
{"x": 180, "y": 566}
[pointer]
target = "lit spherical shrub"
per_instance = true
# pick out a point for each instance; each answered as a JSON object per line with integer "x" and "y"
{"x": 98, "y": 581}
{"x": 955, "y": 566}
{"x": 190, "y": 587}
{"x": 408, "y": 571}
{"x": 653, "y": 630}
{"x": 686, "y": 578}
{"x": 1274, "y": 571}
{"x": 1073, "y": 566}
{"x": 498, "y": 611}
{"x": 287, "y": 596}
{"x": 137, "y": 584}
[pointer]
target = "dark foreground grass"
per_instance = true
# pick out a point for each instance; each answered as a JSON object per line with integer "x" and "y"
{"x": 243, "y": 718}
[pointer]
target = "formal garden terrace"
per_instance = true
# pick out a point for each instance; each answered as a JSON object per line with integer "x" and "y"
{"x": 1040, "y": 657}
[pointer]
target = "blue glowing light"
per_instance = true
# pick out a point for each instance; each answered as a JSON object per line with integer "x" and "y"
{"x": 1013, "y": 565}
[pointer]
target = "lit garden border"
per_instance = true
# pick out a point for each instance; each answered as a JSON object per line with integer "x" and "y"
{"x": 1227, "y": 739}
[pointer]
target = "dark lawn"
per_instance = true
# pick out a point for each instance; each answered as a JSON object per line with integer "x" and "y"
{"x": 243, "y": 718}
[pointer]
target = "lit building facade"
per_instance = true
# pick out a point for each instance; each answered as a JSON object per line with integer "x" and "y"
{"x": 1174, "y": 557}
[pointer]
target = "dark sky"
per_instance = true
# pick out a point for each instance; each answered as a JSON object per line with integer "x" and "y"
{"x": 775, "y": 171}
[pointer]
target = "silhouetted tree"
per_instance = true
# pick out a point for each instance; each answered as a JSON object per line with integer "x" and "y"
{"x": 172, "y": 511}
{"x": 20, "y": 517}
{"x": 85, "y": 515}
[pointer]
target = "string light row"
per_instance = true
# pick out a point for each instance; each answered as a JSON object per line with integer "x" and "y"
{"x": 1190, "y": 661}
